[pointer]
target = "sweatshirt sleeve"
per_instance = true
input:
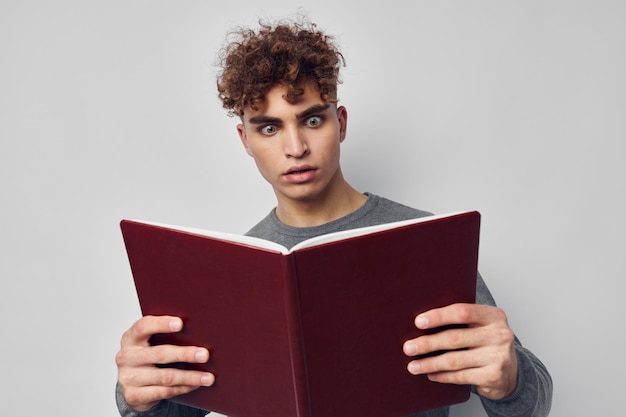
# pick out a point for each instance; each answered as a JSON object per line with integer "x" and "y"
{"x": 162, "y": 409}
{"x": 532, "y": 396}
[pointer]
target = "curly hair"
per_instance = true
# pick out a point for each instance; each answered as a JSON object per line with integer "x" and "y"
{"x": 287, "y": 54}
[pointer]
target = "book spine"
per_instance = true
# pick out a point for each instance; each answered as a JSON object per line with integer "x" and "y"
{"x": 296, "y": 340}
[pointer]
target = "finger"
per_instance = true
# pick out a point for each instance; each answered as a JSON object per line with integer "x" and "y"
{"x": 490, "y": 381}
{"x": 165, "y": 377}
{"x": 161, "y": 354}
{"x": 448, "y": 362}
{"x": 461, "y": 313}
{"x": 451, "y": 339}
{"x": 460, "y": 377}
{"x": 141, "y": 331}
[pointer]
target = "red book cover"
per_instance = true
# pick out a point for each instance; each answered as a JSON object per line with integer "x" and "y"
{"x": 312, "y": 332}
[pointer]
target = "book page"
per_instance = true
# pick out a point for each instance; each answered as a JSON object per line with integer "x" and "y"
{"x": 346, "y": 234}
{"x": 314, "y": 241}
{"x": 229, "y": 237}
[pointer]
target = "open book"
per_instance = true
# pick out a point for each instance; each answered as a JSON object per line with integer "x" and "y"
{"x": 315, "y": 331}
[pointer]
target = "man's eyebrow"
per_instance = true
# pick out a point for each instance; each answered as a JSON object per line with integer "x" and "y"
{"x": 317, "y": 108}
{"x": 269, "y": 120}
{"x": 265, "y": 120}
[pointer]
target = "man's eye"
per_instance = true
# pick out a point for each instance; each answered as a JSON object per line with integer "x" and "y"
{"x": 268, "y": 130}
{"x": 314, "y": 121}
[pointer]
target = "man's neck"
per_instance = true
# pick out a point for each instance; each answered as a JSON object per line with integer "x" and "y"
{"x": 323, "y": 209}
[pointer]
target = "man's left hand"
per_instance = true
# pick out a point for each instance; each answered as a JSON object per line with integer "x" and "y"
{"x": 482, "y": 354}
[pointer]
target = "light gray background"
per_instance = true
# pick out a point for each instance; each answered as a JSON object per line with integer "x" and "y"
{"x": 108, "y": 110}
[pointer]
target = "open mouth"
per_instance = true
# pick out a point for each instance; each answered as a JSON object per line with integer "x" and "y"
{"x": 300, "y": 170}
{"x": 300, "y": 174}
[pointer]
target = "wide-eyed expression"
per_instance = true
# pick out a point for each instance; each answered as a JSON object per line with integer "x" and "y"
{"x": 295, "y": 146}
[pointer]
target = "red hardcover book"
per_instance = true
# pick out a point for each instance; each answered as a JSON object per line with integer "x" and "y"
{"x": 315, "y": 331}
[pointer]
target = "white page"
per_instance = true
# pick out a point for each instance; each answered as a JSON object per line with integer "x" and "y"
{"x": 344, "y": 234}
{"x": 318, "y": 240}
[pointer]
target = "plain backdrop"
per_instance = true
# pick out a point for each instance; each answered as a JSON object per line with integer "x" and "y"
{"x": 108, "y": 110}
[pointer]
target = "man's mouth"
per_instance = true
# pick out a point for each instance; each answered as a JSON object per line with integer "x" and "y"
{"x": 299, "y": 170}
{"x": 300, "y": 174}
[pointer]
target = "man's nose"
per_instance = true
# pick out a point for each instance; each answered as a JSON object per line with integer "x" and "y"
{"x": 295, "y": 143}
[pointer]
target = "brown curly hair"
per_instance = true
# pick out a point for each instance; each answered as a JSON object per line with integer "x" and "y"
{"x": 287, "y": 54}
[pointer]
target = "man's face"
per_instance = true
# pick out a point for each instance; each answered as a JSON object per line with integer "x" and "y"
{"x": 295, "y": 145}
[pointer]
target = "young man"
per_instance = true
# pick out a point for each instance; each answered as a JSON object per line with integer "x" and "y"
{"x": 282, "y": 83}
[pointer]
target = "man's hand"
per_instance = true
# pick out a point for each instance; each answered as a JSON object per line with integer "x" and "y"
{"x": 483, "y": 354}
{"x": 143, "y": 384}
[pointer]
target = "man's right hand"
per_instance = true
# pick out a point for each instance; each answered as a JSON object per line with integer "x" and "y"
{"x": 143, "y": 384}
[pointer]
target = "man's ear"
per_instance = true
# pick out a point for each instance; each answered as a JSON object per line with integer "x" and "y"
{"x": 342, "y": 116}
{"x": 241, "y": 130}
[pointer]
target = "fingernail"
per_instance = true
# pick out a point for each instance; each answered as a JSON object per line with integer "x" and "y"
{"x": 414, "y": 368}
{"x": 176, "y": 324}
{"x": 202, "y": 356}
{"x": 410, "y": 349}
{"x": 421, "y": 322}
{"x": 207, "y": 380}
